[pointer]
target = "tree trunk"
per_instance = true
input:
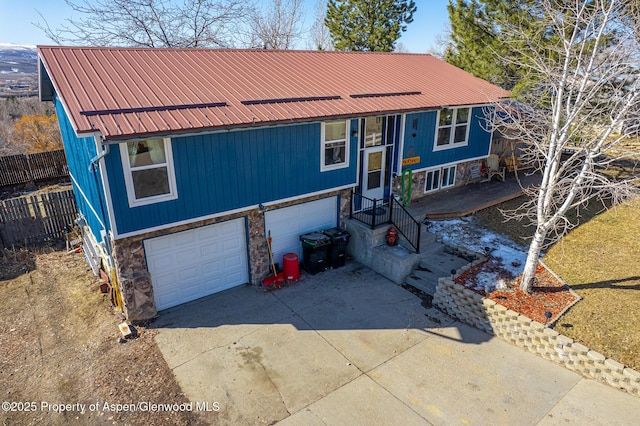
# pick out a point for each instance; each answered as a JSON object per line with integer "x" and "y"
{"x": 529, "y": 273}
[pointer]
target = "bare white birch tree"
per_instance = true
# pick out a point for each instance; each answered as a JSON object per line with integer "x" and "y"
{"x": 584, "y": 68}
{"x": 278, "y": 25}
{"x": 150, "y": 23}
{"x": 319, "y": 35}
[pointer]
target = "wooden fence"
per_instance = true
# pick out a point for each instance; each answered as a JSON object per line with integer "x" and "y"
{"x": 24, "y": 168}
{"x": 34, "y": 219}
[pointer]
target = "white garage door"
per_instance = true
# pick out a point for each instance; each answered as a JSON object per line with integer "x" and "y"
{"x": 191, "y": 264}
{"x": 288, "y": 223}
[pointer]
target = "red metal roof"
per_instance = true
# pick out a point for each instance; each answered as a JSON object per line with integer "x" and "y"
{"x": 122, "y": 92}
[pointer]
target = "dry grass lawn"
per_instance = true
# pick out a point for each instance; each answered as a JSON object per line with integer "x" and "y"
{"x": 58, "y": 345}
{"x": 600, "y": 260}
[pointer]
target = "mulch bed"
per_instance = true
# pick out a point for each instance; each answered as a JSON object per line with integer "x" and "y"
{"x": 549, "y": 294}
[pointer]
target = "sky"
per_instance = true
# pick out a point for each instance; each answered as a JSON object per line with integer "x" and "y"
{"x": 17, "y": 18}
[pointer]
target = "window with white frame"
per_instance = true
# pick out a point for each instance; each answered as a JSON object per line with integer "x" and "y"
{"x": 453, "y": 128}
{"x": 448, "y": 176}
{"x": 440, "y": 178}
{"x": 432, "y": 181}
{"x": 335, "y": 145}
{"x": 148, "y": 171}
{"x": 373, "y": 131}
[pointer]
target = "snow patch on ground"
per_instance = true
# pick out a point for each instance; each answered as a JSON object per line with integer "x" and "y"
{"x": 489, "y": 281}
{"x": 467, "y": 233}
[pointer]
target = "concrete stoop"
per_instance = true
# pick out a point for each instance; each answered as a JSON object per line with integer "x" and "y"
{"x": 400, "y": 263}
{"x": 368, "y": 246}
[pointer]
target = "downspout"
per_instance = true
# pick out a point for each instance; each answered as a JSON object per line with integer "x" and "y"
{"x": 93, "y": 167}
{"x": 106, "y": 244}
{"x": 94, "y": 160}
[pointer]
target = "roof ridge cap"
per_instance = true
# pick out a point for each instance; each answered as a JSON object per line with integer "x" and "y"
{"x": 231, "y": 49}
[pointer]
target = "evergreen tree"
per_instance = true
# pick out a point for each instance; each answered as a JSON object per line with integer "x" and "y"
{"x": 368, "y": 25}
{"x": 476, "y": 44}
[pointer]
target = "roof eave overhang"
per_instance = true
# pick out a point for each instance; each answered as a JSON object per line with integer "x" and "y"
{"x": 45, "y": 85}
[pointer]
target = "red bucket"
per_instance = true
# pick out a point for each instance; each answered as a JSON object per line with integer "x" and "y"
{"x": 291, "y": 266}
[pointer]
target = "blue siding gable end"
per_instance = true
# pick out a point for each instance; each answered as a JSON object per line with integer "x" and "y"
{"x": 86, "y": 179}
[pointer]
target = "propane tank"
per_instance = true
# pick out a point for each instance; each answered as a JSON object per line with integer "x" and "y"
{"x": 392, "y": 236}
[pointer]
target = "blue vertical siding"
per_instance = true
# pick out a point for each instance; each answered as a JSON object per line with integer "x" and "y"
{"x": 419, "y": 136}
{"x": 86, "y": 180}
{"x": 231, "y": 170}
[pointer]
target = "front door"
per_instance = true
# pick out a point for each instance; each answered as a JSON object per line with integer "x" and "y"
{"x": 374, "y": 172}
{"x": 376, "y": 135}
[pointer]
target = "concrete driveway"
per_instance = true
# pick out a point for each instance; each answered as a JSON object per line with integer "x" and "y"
{"x": 349, "y": 347}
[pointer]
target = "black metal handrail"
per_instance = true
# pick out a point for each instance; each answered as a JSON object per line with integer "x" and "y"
{"x": 374, "y": 212}
{"x": 406, "y": 224}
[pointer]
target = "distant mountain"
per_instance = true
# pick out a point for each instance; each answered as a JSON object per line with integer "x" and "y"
{"x": 17, "y": 59}
{"x": 18, "y": 70}
{"x": 17, "y": 46}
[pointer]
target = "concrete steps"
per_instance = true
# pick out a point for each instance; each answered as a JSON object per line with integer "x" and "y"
{"x": 436, "y": 260}
{"x": 400, "y": 263}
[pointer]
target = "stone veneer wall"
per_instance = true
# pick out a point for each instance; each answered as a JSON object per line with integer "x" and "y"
{"x": 463, "y": 173}
{"x": 418, "y": 180}
{"x": 135, "y": 282}
{"x": 417, "y": 185}
{"x": 485, "y": 314}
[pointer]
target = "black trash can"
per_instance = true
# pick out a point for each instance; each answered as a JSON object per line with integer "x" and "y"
{"x": 315, "y": 246}
{"x": 338, "y": 250}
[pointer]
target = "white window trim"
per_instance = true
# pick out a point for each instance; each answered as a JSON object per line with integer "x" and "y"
{"x": 455, "y": 170}
{"x": 347, "y": 144}
{"x": 128, "y": 179}
{"x": 452, "y": 134}
{"x": 440, "y": 169}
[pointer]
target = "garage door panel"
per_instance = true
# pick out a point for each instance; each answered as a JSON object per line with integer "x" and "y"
{"x": 232, "y": 280}
{"x": 161, "y": 264}
{"x": 288, "y": 223}
{"x": 212, "y": 267}
{"x": 164, "y": 279}
{"x": 181, "y": 239}
{"x": 195, "y": 263}
{"x": 217, "y": 234}
{"x": 232, "y": 245}
{"x": 209, "y": 249}
{"x": 160, "y": 244}
{"x": 318, "y": 220}
{"x": 187, "y": 256}
{"x": 232, "y": 262}
{"x": 187, "y": 274}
